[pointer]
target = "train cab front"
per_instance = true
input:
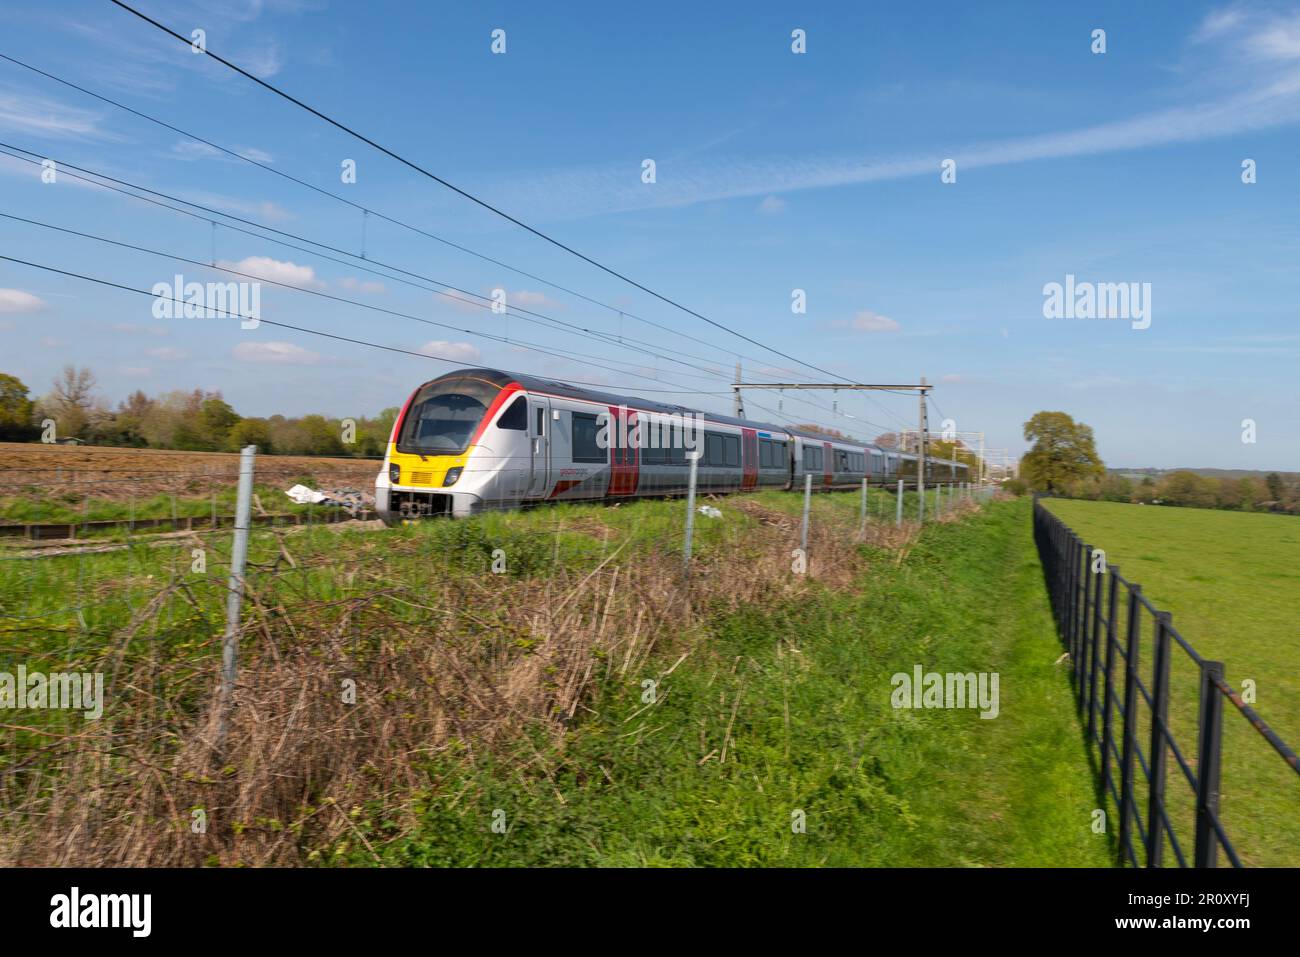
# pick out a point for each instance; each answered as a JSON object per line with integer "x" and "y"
{"x": 430, "y": 470}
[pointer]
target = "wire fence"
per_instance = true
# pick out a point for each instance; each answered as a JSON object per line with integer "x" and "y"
{"x": 1132, "y": 710}
{"x": 442, "y": 631}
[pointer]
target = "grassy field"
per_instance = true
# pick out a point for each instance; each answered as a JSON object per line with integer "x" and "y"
{"x": 785, "y": 710}
{"x": 523, "y": 692}
{"x": 1231, "y": 581}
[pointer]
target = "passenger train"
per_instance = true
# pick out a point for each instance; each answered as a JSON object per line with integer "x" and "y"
{"x": 475, "y": 440}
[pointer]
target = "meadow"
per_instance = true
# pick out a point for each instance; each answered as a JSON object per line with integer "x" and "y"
{"x": 1231, "y": 580}
{"x": 395, "y": 693}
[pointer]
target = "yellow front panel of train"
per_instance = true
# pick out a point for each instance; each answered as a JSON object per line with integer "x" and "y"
{"x": 428, "y": 470}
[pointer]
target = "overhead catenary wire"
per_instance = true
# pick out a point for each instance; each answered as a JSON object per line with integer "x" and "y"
{"x": 410, "y": 164}
{"x": 284, "y": 325}
{"x": 5, "y": 149}
{"x": 370, "y": 211}
{"x": 315, "y": 292}
{"x": 476, "y": 299}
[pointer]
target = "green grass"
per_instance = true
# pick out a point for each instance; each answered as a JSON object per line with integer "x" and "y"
{"x": 1231, "y": 581}
{"x": 813, "y": 731}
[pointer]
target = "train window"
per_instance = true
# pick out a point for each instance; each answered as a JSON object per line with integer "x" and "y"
{"x": 780, "y": 454}
{"x": 585, "y": 446}
{"x": 812, "y": 458}
{"x": 713, "y": 454}
{"x": 541, "y": 422}
{"x": 841, "y": 461}
{"x": 765, "y": 453}
{"x": 515, "y": 418}
{"x": 731, "y": 450}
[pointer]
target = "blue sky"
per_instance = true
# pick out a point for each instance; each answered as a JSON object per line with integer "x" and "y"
{"x": 775, "y": 172}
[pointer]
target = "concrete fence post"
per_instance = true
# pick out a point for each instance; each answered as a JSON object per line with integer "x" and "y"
{"x": 807, "y": 504}
{"x": 235, "y": 594}
{"x": 690, "y": 511}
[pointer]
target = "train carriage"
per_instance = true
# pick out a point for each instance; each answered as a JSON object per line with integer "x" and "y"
{"x": 480, "y": 439}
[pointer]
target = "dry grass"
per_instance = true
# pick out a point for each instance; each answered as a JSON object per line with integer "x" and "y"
{"x": 456, "y": 666}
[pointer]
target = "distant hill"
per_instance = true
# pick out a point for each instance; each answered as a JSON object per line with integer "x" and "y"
{"x": 1139, "y": 474}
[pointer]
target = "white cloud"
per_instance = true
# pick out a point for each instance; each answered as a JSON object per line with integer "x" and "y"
{"x": 276, "y": 353}
{"x": 192, "y": 149}
{"x": 256, "y": 155}
{"x": 771, "y": 205}
{"x": 27, "y": 113}
{"x": 275, "y": 270}
{"x": 456, "y": 351}
{"x": 868, "y": 321}
{"x": 15, "y": 300}
{"x": 132, "y": 329}
{"x": 362, "y": 285}
{"x": 530, "y": 298}
{"x": 1253, "y": 63}
{"x": 259, "y": 209}
{"x": 167, "y": 353}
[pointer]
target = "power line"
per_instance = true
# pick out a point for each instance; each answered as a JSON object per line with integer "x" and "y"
{"x": 243, "y": 157}
{"x": 315, "y": 292}
{"x": 467, "y": 195}
{"x": 284, "y": 325}
{"x": 485, "y": 303}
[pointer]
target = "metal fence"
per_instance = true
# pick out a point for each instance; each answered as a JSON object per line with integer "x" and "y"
{"x": 1102, "y": 618}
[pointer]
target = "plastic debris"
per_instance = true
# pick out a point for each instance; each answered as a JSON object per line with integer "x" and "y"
{"x": 709, "y": 511}
{"x": 354, "y": 500}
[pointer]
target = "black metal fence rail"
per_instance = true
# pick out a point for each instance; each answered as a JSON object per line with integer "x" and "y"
{"x": 1100, "y": 615}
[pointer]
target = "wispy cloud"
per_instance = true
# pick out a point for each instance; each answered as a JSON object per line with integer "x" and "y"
{"x": 276, "y": 353}
{"x": 16, "y": 300}
{"x": 1258, "y": 54}
{"x": 867, "y": 321}
{"x": 32, "y": 114}
{"x": 457, "y": 351}
{"x": 275, "y": 270}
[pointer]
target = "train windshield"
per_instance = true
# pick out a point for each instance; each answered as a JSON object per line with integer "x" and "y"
{"x": 445, "y": 414}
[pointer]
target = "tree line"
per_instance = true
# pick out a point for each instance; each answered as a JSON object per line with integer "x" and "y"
{"x": 1064, "y": 461}
{"x": 195, "y": 421}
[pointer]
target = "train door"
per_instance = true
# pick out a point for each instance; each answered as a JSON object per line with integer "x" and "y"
{"x": 828, "y": 464}
{"x": 624, "y": 455}
{"x": 539, "y": 434}
{"x": 749, "y": 458}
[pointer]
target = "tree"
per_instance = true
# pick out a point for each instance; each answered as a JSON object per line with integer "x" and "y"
{"x": 15, "y": 410}
{"x": 216, "y": 419}
{"x": 71, "y": 402}
{"x": 1274, "y": 483}
{"x": 1064, "y": 450}
{"x": 1187, "y": 489}
{"x": 250, "y": 432}
{"x": 823, "y": 430}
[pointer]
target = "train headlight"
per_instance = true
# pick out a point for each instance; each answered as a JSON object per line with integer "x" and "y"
{"x": 395, "y": 474}
{"x": 452, "y": 476}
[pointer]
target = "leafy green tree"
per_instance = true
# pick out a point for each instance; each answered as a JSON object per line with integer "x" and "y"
{"x": 216, "y": 419}
{"x": 15, "y": 410}
{"x": 1187, "y": 489}
{"x": 250, "y": 432}
{"x": 1274, "y": 483}
{"x": 1063, "y": 451}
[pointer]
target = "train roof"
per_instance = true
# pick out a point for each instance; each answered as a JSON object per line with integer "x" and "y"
{"x": 555, "y": 387}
